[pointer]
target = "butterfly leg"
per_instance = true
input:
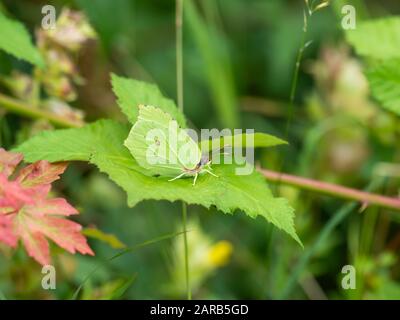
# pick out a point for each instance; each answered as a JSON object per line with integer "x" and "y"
{"x": 177, "y": 177}
{"x": 209, "y": 167}
{"x": 195, "y": 178}
{"x": 208, "y": 171}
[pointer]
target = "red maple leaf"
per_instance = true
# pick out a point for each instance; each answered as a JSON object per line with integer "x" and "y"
{"x": 27, "y": 214}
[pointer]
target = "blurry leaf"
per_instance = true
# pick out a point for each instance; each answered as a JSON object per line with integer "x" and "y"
{"x": 110, "y": 239}
{"x": 40, "y": 173}
{"x": 33, "y": 228}
{"x": 101, "y": 143}
{"x": 110, "y": 290}
{"x": 387, "y": 290}
{"x": 16, "y": 40}
{"x": 384, "y": 80}
{"x": 216, "y": 67}
{"x": 9, "y": 161}
{"x": 131, "y": 93}
{"x": 2, "y": 296}
{"x": 27, "y": 214}
{"x": 260, "y": 140}
{"x": 120, "y": 291}
{"x": 377, "y": 38}
{"x": 122, "y": 253}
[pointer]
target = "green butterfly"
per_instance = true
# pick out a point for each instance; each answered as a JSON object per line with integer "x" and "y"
{"x": 160, "y": 146}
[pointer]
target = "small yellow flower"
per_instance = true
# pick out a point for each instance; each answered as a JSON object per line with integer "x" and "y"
{"x": 220, "y": 253}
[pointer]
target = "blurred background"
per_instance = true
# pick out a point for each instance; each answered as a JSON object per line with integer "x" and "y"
{"x": 239, "y": 58}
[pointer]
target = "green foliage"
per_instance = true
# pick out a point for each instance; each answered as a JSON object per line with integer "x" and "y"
{"x": 260, "y": 140}
{"x": 379, "y": 41}
{"x": 101, "y": 143}
{"x": 16, "y": 40}
{"x": 384, "y": 80}
{"x": 131, "y": 93}
{"x": 108, "y": 238}
{"x": 377, "y": 38}
{"x": 235, "y": 53}
{"x": 216, "y": 66}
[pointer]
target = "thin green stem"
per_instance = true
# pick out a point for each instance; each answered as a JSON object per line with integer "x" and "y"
{"x": 186, "y": 248}
{"x": 295, "y": 80}
{"x": 301, "y": 265}
{"x": 179, "y": 94}
{"x": 27, "y": 110}
{"x": 179, "y": 53}
{"x": 293, "y": 87}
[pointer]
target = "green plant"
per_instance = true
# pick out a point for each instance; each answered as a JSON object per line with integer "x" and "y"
{"x": 101, "y": 143}
{"x": 339, "y": 136}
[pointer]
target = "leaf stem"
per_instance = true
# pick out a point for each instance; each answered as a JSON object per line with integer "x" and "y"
{"x": 179, "y": 94}
{"x": 30, "y": 111}
{"x": 331, "y": 189}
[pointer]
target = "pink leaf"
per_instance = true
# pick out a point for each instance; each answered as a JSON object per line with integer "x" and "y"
{"x": 9, "y": 161}
{"x": 36, "y": 245}
{"x": 40, "y": 173}
{"x": 26, "y": 214}
{"x": 56, "y": 206}
{"x": 6, "y": 232}
{"x": 64, "y": 233}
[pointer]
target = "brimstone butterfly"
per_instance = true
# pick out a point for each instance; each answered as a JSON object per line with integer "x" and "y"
{"x": 160, "y": 146}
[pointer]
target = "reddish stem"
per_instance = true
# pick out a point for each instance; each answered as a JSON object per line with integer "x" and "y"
{"x": 365, "y": 198}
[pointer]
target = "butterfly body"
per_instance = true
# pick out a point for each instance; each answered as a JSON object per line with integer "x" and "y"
{"x": 201, "y": 167}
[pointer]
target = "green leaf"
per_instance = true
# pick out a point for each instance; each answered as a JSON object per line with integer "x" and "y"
{"x": 108, "y": 238}
{"x": 2, "y": 296}
{"x": 101, "y": 143}
{"x": 131, "y": 93}
{"x": 16, "y": 40}
{"x": 384, "y": 81}
{"x": 377, "y": 38}
{"x": 260, "y": 140}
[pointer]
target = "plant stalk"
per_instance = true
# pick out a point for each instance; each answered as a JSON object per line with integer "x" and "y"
{"x": 365, "y": 198}
{"x": 179, "y": 94}
{"x": 27, "y": 110}
{"x": 295, "y": 79}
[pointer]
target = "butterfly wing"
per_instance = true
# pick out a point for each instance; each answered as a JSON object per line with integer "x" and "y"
{"x": 159, "y": 145}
